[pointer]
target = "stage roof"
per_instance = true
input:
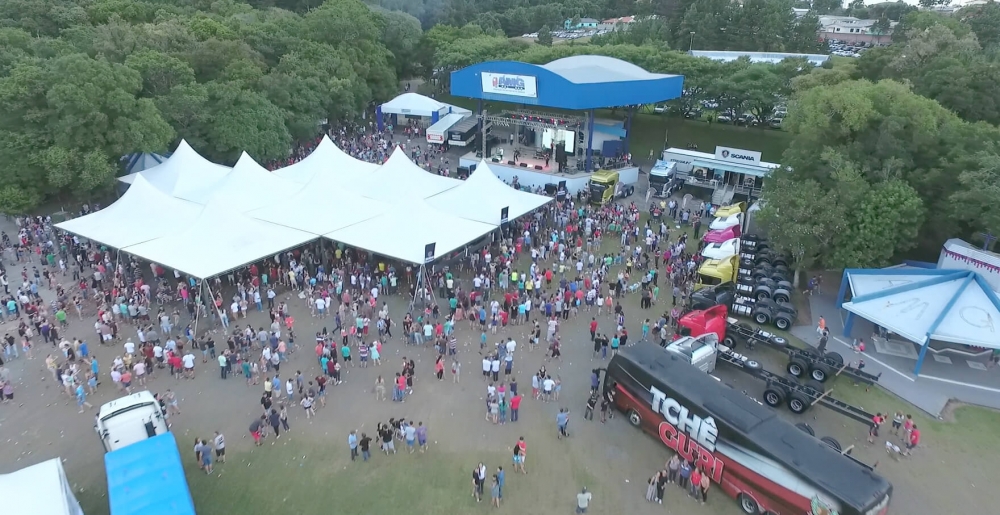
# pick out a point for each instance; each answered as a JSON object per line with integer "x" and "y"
{"x": 954, "y": 306}
{"x": 578, "y": 83}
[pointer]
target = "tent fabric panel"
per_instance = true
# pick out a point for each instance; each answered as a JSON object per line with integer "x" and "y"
{"x": 40, "y": 489}
{"x": 971, "y": 320}
{"x": 142, "y": 214}
{"x": 483, "y": 195}
{"x": 404, "y": 232}
{"x": 249, "y": 185}
{"x": 326, "y": 158}
{"x": 225, "y": 240}
{"x": 147, "y": 478}
{"x": 399, "y": 178}
{"x": 413, "y": 104}
{"x": 312, "y": 211}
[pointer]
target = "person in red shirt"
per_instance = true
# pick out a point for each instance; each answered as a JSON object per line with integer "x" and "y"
{"x": 914, "y": 440}
{"x": 515, "y": 404}
{"x": 400, "y": 387}
{"x": 695, "y": 489}
{"x": 593, "y": 328}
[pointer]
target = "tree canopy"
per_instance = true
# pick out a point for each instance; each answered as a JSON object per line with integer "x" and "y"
{"x": 84, "y": 82}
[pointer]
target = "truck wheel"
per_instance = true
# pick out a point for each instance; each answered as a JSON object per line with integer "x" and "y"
{"x": 728, "y": 341}
{"x": 781, "y": 295}
{"x": 816, "y": 385}
{"x": 832, "y": 442}
{"x": 782, "y": 323}
{"x": 806, "y": 428}
{"x": 835, "y": 357}
{"x": 796, "y": 367}
{"x": 797, "y": 403}
{"x": 774, "y": 397}
{"x": 634, "y": 418}
{"x": 761, "y": 318}
{"x": 779, "y": 341}
{"x": 762, "y": 293}
{"x": 748, "y": 505}
{"x": 752, "y": 364}
{"x": 819, "y": 373}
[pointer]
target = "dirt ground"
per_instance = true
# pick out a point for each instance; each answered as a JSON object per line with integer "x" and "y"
{"x": 308, "y": 469}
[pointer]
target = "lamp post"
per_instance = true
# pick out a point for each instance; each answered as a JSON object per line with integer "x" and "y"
{"x": 691, "y": 46}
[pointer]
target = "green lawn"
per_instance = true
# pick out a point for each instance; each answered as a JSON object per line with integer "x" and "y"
{"x": 649, "y": 131}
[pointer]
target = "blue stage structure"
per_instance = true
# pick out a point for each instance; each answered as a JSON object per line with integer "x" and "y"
{"x": 578, "y": 83}
{"x": 923, "y": 304}
{"x": 147, "y": 478}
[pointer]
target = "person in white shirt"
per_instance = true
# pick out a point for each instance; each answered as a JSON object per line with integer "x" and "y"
{"x": 511, "y": 346}
{"x": 188, "y": 360}
{"x": 486, "y": 366}
{"x": 220, "y": 447}
{"x": 139, "y": 370}
{"x": 547, "y": 385}
{"x": 129, "y": 347}
{"x": 495, "y": 368}
{"x": 320, "y": 307}
{"x": 158, "y": 354}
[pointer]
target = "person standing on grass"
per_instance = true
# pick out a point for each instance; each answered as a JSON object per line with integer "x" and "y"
{"x": 307, "y": 405}
{"x": 283, "y": 416}
{"x": 705, "y": 484}
{"x": 695, "y": 489}
{"x": 365, "y": 445}
{"x": 206, "y": 456}
{"x": 220, "y": 447}
{"x": 476, "y": 486}
{"x": 583, "y": 500}
{"x": 914, "y": 440}
{"x": 520, "y": 449}
{"x": 275, "y": 420}
{"x": 410, "y": 435}
{"x": 495, "y": 491}
{"x": 352, "y": 444}
{"x": 422, "y": 436}
{"x": 500, "y": 480}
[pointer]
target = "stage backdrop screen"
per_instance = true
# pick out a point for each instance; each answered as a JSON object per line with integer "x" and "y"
{"x": 567, "y": 137}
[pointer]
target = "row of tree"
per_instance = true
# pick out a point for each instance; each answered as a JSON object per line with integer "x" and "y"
{"x": 85, "y": 82}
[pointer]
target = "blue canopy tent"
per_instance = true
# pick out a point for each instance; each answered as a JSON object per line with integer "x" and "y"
{"x": 147, "y": 478}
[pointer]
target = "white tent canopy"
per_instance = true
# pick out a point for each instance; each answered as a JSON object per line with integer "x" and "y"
{"x": 40, "y": 489}
{"x": 326, "y": 158}
{"x": 483, "y": 195}
{"x": 403, "y": 232}
{"x": 143, "y": 213}
{"x": 415, "y": 104}
{"x": 219, "y": 240}
{"x": 185, "y": 173}
{"x": 248, "y": 186}
{"x": 321, "y": 206}
{"x": 401, "y": 179}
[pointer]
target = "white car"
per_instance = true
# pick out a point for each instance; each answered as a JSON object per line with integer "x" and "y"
{"x": 724, "y": 223}
{"x": 724, "y": 250}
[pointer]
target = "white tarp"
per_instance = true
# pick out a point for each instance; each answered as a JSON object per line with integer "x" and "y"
{"x": 143, "y": 213}
{"x": 248, "y": 186}
{"x": 326, "y": 158}
{"x": 40, "y": 489}
{"x": 400, "y": 179}
{"x": 483, "y": 195}
{"x": 403, "y": 232}
{"x": 185, "y": 172}
{"x": 219, "y": 240}
{"x": 320, "y": 206}
{"x": 415, "y": 104}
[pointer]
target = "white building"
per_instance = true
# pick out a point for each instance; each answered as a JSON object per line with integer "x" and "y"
{"x": 851, "y": 30}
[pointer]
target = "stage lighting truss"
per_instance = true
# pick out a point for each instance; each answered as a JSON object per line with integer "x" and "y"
{"x": 534, "y": 120}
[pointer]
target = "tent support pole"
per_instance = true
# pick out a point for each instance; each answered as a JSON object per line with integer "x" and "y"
{"x": 197, "y": 308}
{"x": 211, "y": 297}
{"x": 417, "y": 285}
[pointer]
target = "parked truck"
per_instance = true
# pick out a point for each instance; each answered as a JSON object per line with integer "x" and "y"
{"x": 606, "y": 186}
{"x": 128, "y": 420}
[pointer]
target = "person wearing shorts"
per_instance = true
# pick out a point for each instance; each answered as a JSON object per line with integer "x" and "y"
{"x": 255, "y": 430}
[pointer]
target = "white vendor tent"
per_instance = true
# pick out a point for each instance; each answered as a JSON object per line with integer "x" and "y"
{"x": 38, "y": 490}
{"x": 403, "y": 232}
{"x": 400, "y": 179}
{"x": 415, "y": 104}
{"x": 321, "y": 206}
{"x": 327, "y": 157}
{"x": 483, "y": 195}
{"x": 186, "y": 172}
{"x": 219, "y": 240}
{"x": 248, "y": 186}
{"x": 143, "y": 213}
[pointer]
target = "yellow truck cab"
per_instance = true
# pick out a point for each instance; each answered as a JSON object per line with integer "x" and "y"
{"x": 735, "y": 209}
{"x": 717, "y": 271}
{"x": 602, "y": 186}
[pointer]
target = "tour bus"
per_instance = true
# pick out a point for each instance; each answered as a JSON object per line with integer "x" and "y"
{"x": 465, "y": 132}
{"x": 763, "y": 461}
